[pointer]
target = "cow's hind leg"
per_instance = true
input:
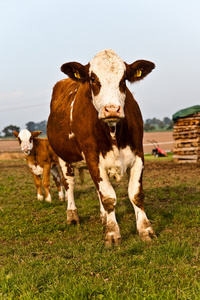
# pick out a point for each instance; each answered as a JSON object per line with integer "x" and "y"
{"x": 136, "y": 196}
{"x": 57, "y": 179}
{"x": 68, "y": 182}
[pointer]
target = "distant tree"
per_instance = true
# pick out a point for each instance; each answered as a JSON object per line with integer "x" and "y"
{"x": 41, "y": 126}
{"x": 153, "y": 121}
{"x": 148, "y": 127}
{"x": 31, "y": 126}
{"x": 8, "y": 131}
{"x": 170, "y": 126}
{"x": 166, "y": 120}
{"x": 148, "y": 121}
{"x": 161, "y": 125}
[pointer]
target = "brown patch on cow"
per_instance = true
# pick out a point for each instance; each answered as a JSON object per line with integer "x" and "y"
{"x": 139, "y": 200}
{"x": 109, "y": 204}
{"x": 95, "y": 84}
{"x": 122, "y": 84}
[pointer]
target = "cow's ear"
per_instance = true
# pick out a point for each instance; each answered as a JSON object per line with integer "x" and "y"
{"x": 35, "y": 133}
{"x": 16, "y": 134}
{"x": 76, "y": 71}
{"x": 138, "y": 70}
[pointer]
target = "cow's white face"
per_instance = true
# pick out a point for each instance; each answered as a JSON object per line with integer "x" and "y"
{"x": 106, "y": 74}
{"x": 107, "y": 81}
{"x": 26, "y": 141}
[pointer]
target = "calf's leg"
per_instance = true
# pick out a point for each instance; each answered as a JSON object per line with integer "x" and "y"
{"x": 136, "y": 196}
{"x": 57, "y": 179}
{"x": 46, "y": 182}
{"x": 38, "y": 184}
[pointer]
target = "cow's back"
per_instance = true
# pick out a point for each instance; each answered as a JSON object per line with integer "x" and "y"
{"x": 59, "y": 130}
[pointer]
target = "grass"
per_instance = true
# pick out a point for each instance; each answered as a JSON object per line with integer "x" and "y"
{"x": 150, "y": 157}
{"x": 41, "y": 257}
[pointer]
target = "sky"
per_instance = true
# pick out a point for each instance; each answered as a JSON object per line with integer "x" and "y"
{"x": 38, "y": 36}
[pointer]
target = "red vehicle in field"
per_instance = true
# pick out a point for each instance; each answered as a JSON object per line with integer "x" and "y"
{"x": 157, "y": 151}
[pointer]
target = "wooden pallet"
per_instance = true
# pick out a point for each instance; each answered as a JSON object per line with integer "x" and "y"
{"x": 186, "y": 134}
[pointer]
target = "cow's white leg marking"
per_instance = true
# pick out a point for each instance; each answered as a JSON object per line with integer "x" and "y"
{"x": 72, "y": 216}
{"x": 61, "y": 194}
{"x": 48, "y": 198}
{"x": 39, "y": 197}
{"x": 71, "y": 134}
{"x": 103, "y": 215}
{"x": 137, "y": 199}
{"x": 108, "y": 198}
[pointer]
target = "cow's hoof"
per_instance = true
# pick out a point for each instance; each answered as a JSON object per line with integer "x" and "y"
{"x": 48, "y": 198}
{"x": 39, "y": 197}
{"x": 61, "y": 196}
{"x": 72, "y": 217}
{"x": 147, "y": 235}
{"x": 112, "y": 239}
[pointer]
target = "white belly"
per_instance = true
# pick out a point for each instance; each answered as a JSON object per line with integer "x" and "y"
{"x": 117, "y": 161}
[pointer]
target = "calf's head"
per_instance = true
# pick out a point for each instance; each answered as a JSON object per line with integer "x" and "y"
{"x": 25, "y": 138}
{"x": 107, "y": 75}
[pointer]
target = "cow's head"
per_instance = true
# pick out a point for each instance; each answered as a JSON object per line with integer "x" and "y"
{"x": 25, "y": 138}
{"x": 107, "y": 75}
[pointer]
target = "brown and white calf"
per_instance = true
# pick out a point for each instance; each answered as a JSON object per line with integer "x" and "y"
{"x": 41, "y": 160}
{"x": 95, "y": 117}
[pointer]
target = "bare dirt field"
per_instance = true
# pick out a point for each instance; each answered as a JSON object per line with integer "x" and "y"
{"x": 164, "y": 140}
{"x": 10, "y": 149}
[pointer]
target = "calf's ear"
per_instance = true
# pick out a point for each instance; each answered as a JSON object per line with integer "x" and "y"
{"x": 138, "y": 70}
{"x": 76, "y": 71}
{"x": 16, "y": 134}
{"x": 35, "y": 133}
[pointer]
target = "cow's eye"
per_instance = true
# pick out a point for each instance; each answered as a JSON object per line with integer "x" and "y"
{"x": 19, "y": 140}
{"x": 122, "y": 84}
{"x": 92, "y": 80}
{"x": 30, "y": 140}
{"x": 123, "y": 79}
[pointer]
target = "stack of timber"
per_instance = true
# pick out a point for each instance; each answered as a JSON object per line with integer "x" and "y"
{"x": 186, "y": 134}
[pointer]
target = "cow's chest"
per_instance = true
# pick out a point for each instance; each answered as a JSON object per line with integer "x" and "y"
{"x": 117, "y": 161}
{"x": 36, "y": 169}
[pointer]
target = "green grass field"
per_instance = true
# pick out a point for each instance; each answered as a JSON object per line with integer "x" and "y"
{"x": 41, "y": 257}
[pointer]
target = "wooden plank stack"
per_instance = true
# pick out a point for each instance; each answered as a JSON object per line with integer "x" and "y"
{"x": 186, "y": 134}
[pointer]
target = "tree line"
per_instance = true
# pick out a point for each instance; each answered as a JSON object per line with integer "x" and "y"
{"x": 31, "y": 126}
{"x": 149, "y": 125}
{"x": 157, "y": 124}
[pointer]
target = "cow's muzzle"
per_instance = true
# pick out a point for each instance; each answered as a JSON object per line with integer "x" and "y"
{"x": 112, "y": 114}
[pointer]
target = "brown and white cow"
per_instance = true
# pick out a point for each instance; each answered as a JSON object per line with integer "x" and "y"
{"x": 41, "y": 160}
{"x": 95, "y": 117}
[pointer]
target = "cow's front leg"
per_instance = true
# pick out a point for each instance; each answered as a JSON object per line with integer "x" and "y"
{"x": 103, "y": 215}
{"x": 136, "y": 196}
{"x": 38, "y": 184}
{"x": 108, "y": 202}
{"x": 68, "y": 182}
